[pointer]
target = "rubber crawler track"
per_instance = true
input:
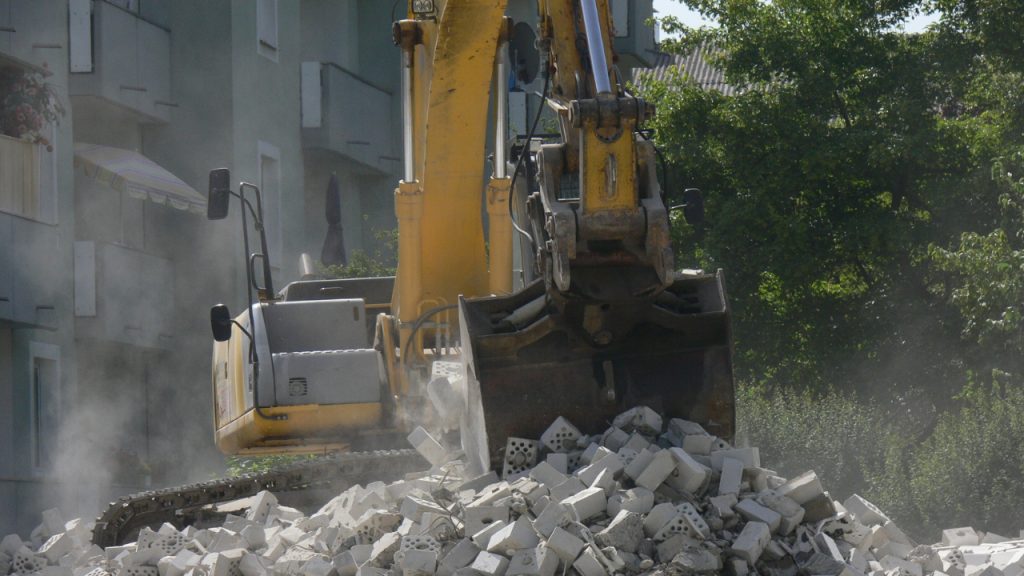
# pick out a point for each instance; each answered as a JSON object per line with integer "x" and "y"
{"x": 128, "y": 514}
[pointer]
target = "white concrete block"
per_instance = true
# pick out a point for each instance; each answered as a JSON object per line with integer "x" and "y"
{"x": 753, "y": 511}
{"x": 383, "y": 552}
{"x": 792, "y": 513}
{"x": 737, "y": 567}
{"x": 639, "y": 500}
{"x": 614, "y": 438}
{"x": 803, "y": 488}
{"x": 536, "y": 561}
{"x": 894, "y": 533}
{"x": 624, "y": 532}
{"x": 53, "y": 521}
{"x": 427, "y": 446}
{"x": 419, "y": 562}
{"x": 659, "y": 516}
{"x": 732, "y": 476}
{"x": 414, "y": 507}
{"x": 750, "y": 457}
{"x": 565, "y": 545}
{"x": 488, "y": 564}
{"x": 491, "y": 495}
{"x": 547, "y": 474}
{"x": 965, "y": 536}
{"x": 56, "y": 546}
{"x": 697, "y": 560}
{"x": 478, "y": 517}
{"x": 605, "y": 481}
{"x": 24, "y": 561}
{"x": 639, "y": 463}
{"x": 482, "y": 481}
{"x": 345, "y": 563}
{"x": 553, "y": 516}
{"x": 588, "y": 565}
{"x": 483, "y": 538}
{"x": 561, "y": 436}
{"x": 904, "y": 567}
{"x": 636, "y": 442}
{"x": 689, "y": 475}
{"x": 660, "y": 467}
{"x": 179, "y": 563}
{"x": 698, "y": 444}
{"x": 610, "y": 462}
{"x": 317, "y": 566}
{"x": 11, "y": 544}
{"x": 667, "y": 549}
{"x": 570, "y": 487}
{"x": 752, "y": 541}
{"x": 261, "y": 505}
{"x": 865, "y": 512}
{"x": 461, "y": 555}
{"x": 558, "y": 461}
{"x": 518, "y": 535}
{"x": 586, "y": 504}
{"x": 687, "y": 522}
{"x": 520, "y": 456}
{"x": 723, "y": 505}
{"x": 639, "y": 418}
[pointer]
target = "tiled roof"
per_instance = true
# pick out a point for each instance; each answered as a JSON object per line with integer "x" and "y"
{"x": 693, "y": 66}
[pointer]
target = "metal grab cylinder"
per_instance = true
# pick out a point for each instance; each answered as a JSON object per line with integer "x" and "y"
{"x": 409, "y": 154}
{"x": 595, "y": 46}
{"x": 499, "y": 226}
{"x": 501, "y": 110}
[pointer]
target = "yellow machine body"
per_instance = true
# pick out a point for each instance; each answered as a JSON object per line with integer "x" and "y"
{"x": 603, "y": 321}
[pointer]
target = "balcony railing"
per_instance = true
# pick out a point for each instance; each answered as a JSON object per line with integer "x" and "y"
{"x": 348, "y": 115}
{"x": 19, "y": 177}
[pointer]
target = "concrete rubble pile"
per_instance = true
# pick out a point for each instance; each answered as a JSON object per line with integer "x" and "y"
{"x": 642, "y": 498}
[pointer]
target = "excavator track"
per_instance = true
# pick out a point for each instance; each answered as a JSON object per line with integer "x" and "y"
{"x": 125, "y": 517}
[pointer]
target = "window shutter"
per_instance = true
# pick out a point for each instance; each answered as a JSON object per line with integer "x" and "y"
{"x": 80, "y": 32}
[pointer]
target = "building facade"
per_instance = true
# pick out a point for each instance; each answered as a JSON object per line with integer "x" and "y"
{"x": 108, "y": 265}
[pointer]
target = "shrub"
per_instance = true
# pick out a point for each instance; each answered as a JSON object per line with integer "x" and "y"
{"x": 969, "y": 471}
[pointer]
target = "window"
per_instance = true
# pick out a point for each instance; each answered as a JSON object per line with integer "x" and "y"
{"x": 44, "y": 403}
{"x": 266, "y": 28}
{"x": 270, "y": 188}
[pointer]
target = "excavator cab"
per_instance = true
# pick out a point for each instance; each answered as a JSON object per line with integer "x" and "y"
{"x": 297, "y": 370}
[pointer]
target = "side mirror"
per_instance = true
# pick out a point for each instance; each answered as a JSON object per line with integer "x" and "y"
{"x": 219, "y": 194}
{"x": 693, "y": 206}
{"x": 220, "y": 323}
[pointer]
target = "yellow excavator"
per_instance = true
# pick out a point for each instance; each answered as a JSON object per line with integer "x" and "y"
{"x": 602, "y": 320}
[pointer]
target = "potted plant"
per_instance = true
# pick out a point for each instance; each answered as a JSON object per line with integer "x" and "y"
{"x": 27, "y": 105}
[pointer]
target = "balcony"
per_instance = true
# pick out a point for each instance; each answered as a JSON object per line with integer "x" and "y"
{"x": 31, "y": 272}
{"x": 123, "y": 60}
{"x": 348, "y": 115}
{"x": 109, "y": 280}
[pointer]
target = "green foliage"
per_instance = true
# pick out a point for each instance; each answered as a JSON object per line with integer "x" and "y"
{"x": 968, "y": 471}
{"x": 851, "y": 151}
{"x": 863, "y": 192}
{"x": 362, "y": 265}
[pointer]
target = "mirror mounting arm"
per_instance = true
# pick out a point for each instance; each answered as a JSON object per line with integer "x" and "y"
{"x": 268, "y": 281}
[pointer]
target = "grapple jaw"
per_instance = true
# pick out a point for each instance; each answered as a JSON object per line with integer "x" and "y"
{"x": 533, "y": 356}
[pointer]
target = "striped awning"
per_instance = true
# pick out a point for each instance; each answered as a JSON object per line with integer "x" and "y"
{"x": 137, "y": 176}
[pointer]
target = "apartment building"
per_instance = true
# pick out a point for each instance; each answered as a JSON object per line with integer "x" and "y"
{"x": 108, "y": 265}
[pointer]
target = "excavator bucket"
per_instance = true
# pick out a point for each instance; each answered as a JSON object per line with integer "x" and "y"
{"x": 529, "y": 359}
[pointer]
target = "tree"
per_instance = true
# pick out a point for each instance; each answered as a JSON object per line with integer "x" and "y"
{"x": 851, "y": 151}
